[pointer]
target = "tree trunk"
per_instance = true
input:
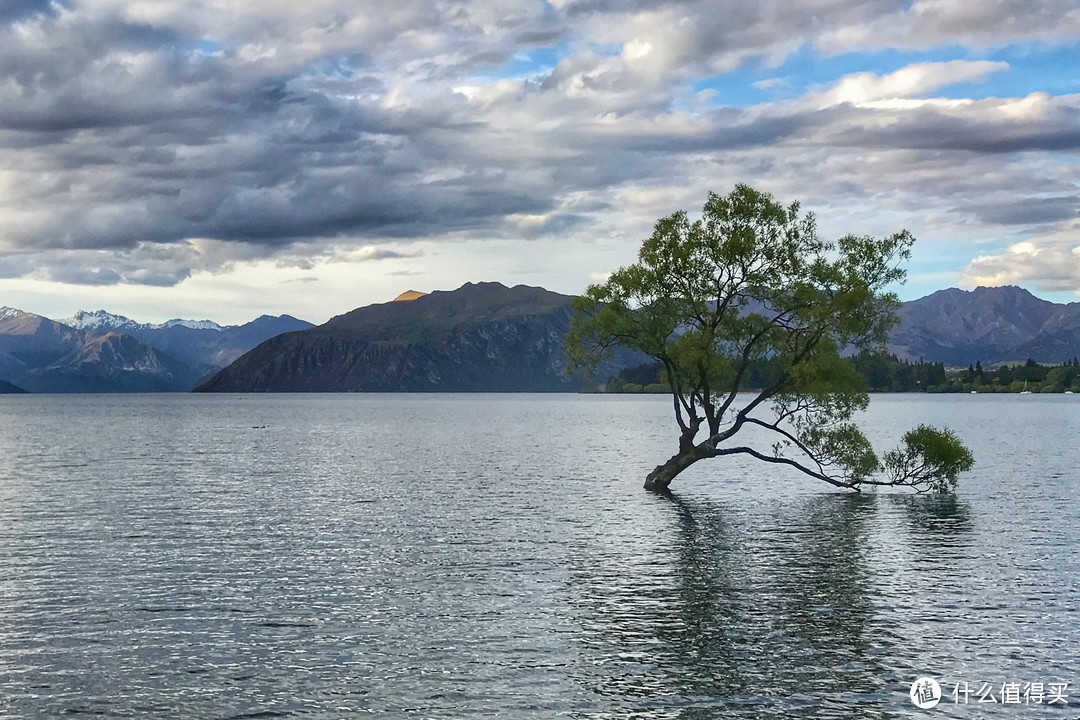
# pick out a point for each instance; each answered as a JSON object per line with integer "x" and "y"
{"x": 662, "y": 475}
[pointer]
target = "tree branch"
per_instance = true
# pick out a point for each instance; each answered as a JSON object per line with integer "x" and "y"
{"x": 786, "y": 461}
{"x": 744, "y": 361}
{"x": 776, "y": 428}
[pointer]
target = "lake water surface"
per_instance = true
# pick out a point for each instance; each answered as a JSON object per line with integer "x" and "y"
{"x": 330, "y": 556}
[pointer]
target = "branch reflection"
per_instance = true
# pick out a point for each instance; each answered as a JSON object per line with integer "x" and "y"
{"x": 750, "y": 612}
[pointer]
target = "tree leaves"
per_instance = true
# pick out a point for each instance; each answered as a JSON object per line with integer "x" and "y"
{"x": 930, "y": 459}
{"x": 750, "y": 282}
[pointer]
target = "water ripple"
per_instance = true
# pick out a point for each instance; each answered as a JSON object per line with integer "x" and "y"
{"x": 459, "y": 556}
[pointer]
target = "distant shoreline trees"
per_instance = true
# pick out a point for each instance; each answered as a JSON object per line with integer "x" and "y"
{"x": 886, "y": 373}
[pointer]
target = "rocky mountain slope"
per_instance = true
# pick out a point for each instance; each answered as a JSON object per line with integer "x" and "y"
{"x": 991, "y": 325}
{"x": 7, "y": 388}
{"x": 482, "y": 337}
{"x": 202, "y": 345}
{"x": 41, "y": 355}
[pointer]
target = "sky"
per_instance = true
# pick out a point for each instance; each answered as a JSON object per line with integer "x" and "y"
{"x": 227, "y": 158}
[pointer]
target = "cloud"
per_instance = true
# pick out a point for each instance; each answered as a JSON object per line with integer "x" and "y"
{"x": 930, "y": 23}
{"x": 144, "y": 143}
{"x": 373, "y": 254}
{"x": 1027, "y": 211}
{"x": 84, "y": 276}
{"x": 1048, "y": 262}
{"x": 911, "y": 81}
{"x": 17, "y": 10}
{"x": 599, "y": 277}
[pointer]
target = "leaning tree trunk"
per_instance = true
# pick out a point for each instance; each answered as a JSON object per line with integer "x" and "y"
{"x": 662, "y": 475}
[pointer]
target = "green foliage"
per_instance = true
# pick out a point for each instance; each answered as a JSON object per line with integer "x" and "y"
{"x": 1030, "y": 376}
{"x": 749, "y": 292}
{"x": 887, "y": 373}
{"x": 929, "y": 459}
{"x": 881, "y": 372}
{"x": 878, "y": 372}
{"x": 747, "y": 282}
{"x": 845, "y": 447}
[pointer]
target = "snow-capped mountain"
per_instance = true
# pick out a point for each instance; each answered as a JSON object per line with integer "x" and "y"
{"x": 40, "y": 355}
{"x": 194, "y": 324}
{"x": 100, "y": 320}
{"x": 203, "y": 345}
{"x": 8, "y": 313}
{"x": 103, "y": 352}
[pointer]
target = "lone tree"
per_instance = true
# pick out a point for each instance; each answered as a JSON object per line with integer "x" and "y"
{"x": 750, "y": 289}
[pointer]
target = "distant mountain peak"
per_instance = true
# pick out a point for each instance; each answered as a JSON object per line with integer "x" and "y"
{"x": 995, "y": 324}
{"x": 193, "y": 324}
{"x": 1001, "y": 288}
{"x": 20, "y": 322}
{"x": 480, "y": 337}
{"x": 409, "y": 295}
{"x": 101, "y": 320}
{"x": 104, "y": 321}
{"x": 10, "y": 312}
{"x": 96, "y": 320}
{"x": 43, "y": 355}
{"x": 1010, "y": 291}
{"x": 7, "y": 388}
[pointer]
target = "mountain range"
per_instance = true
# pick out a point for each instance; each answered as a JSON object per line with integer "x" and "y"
{"x": 480, "y": 337}
{"x": 99, "y": 352}
{"x": 487, "y": 337}
{"x": 41, "y": 355}
{"x": 202, "y": 345}
{"x": 993, "y": 325}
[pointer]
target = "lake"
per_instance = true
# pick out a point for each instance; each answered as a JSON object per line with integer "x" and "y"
{"x": 449, "y": 556}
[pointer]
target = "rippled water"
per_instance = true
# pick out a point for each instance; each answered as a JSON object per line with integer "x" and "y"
{"x": 460, "y": 556}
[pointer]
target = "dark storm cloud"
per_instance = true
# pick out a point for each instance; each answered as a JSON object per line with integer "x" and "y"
{"x": 930, "y": 130}
{"x": 1028, "y": 211}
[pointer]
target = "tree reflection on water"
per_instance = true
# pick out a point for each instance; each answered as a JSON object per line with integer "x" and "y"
{"x": 752, "y": 613}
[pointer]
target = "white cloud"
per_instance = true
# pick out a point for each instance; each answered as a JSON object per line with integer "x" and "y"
{"x": 861, "y": 89}
{"x": 1049, "y": 262}
{"x": 931, "y": 23}
{"x": 599, "y": 277}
